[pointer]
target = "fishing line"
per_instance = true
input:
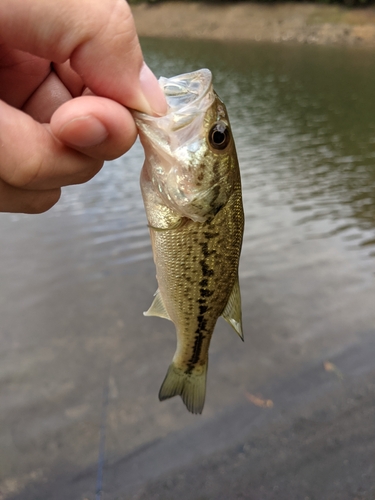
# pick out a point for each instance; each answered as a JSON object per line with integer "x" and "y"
{"x": 102, "y": 439}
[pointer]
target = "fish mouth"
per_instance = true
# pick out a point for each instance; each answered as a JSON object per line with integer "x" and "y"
{"x": 186, "y": 90}
{"x": 188, "y": 96}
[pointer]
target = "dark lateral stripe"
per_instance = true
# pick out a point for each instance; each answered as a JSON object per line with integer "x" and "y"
{"x": 204, "y": 292}
{"x": 206, "y": 271}
{"x": 198, "y": 341}
{"x": 197, "y": 348}
{"x": 205, "y": 251}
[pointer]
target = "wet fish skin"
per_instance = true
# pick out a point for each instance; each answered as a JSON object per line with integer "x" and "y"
{"x": 191, "y": 188}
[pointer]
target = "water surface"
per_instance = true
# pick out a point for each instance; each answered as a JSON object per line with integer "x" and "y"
{"x": 74, "y": 281}
{"x": 303, "y": 120}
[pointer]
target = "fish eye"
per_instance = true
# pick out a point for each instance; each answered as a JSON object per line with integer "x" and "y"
{"x": 219, "y": 136}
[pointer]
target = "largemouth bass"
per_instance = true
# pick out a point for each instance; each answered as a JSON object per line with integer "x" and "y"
{"x": 191, "y": 189}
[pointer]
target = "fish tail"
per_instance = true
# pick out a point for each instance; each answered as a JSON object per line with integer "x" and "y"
{"x": 191, "y": 386}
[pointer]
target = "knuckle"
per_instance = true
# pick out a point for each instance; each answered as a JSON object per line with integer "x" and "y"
{"x": 23, "y": 175}
{"x": 89, "y": 171}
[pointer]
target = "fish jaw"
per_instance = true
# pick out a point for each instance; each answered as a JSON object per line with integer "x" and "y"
{"x": 188, "y": 97}
{"x": 179, "y": 131}
{"x": 181, "y": 164}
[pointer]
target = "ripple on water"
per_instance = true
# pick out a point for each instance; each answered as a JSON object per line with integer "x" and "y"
{"x": 306, "y": 152}
{"x": 109, "y": 214}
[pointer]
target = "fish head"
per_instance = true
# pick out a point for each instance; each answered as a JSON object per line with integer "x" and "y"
{"x": 190, "y": 153}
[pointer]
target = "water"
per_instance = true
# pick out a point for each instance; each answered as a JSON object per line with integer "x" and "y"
{"x": 74, "y": 281}
{"x": 303, "y": 120}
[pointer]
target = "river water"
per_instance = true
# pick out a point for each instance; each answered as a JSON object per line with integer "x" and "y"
{"x": 74, "y": 281}
{"x": 303, "y": 119}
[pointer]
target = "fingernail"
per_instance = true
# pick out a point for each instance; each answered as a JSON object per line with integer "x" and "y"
{"x": 83, "y": 132}
{"x": 152, "y": 92}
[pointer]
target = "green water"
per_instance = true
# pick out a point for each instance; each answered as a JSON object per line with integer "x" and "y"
{"x": 75, "y": 281}
{"x": 303, "y": 119}
{"x": 304, "y": 123}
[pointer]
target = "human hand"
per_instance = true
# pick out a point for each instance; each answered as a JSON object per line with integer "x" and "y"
{"x": 69, "y": 71}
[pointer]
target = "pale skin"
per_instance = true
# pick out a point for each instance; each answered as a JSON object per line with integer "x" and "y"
{"x": 69, "y": 73}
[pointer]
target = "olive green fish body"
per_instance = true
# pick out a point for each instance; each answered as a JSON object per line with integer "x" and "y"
{"x": 196, "y": 246}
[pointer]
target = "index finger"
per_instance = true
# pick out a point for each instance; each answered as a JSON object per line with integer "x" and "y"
{"x": 98, "y": 37}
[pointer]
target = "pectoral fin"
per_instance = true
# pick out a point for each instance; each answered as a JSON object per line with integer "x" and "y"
{"x": 157, "y": 307}
{"x": 232, "y": 312}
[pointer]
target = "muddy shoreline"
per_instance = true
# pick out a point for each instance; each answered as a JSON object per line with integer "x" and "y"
{"x": 279, "y": 22}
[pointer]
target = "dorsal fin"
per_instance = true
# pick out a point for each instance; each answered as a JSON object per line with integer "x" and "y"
{"x": 157, "y": 307}
{"x": 232, "y": 312}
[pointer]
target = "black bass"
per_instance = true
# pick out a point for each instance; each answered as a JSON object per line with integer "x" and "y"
{"x": 191, "y": 189}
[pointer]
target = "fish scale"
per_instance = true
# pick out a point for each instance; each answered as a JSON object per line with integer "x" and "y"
{"x": 192, "y": 193}
{"x": 196, "y": 293}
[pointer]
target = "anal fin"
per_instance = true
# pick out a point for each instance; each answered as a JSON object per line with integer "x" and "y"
{"x": 157, "y": 307}
{"x": 232, "y": 312}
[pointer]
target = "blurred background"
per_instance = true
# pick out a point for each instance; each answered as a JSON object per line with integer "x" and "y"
{"x": 289, "y": 414}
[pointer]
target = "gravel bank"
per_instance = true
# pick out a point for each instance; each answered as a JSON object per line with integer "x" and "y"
{"x": 286, "y": 22}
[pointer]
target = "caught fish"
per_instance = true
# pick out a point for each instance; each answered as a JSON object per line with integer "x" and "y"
{"x": 191, "y": 189}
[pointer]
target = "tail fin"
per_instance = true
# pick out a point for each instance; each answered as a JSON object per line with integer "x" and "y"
{"x": 190, "y": 386}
